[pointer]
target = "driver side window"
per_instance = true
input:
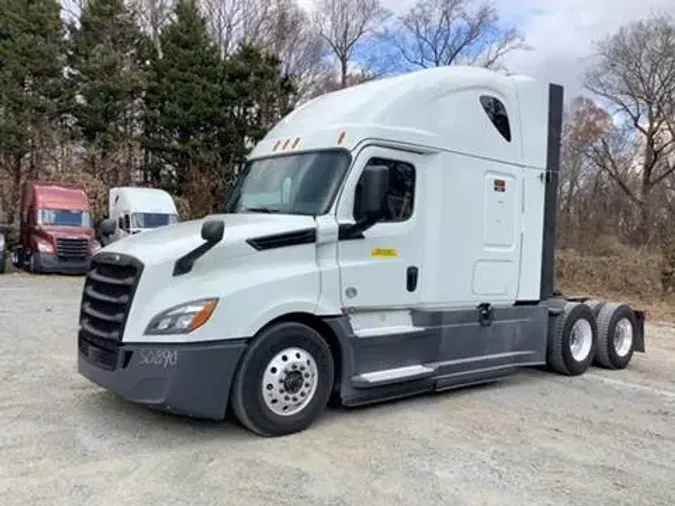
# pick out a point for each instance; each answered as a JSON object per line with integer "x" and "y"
{"x": 400, "y": 197}
{"x": 123, "y": 223}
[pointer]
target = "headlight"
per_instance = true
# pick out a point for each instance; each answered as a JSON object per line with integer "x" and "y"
{"x": 44, "y": 247}
{"x": 182, "y": 319}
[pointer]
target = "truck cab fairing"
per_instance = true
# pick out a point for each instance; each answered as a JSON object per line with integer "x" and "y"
{"x": 134, "y": 210}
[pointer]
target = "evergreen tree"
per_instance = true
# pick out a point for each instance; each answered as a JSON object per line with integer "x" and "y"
{"x": 255, "y": 96}
{"x": 31, "y": 84}
{"x": 184, "y": 100}
{"x": 108, "y": 62}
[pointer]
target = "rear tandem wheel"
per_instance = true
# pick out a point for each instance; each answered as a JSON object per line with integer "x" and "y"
{"x": 616, "y": 335}
{"x": 572, "y": 345}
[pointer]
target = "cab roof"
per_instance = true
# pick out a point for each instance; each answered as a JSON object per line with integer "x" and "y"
{"x": 439, "y": 108}
{"x": 140, "y": 199}
{"x": 56, "y": 195}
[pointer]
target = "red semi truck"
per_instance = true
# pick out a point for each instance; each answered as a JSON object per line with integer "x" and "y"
{"x": 56, "y": 231}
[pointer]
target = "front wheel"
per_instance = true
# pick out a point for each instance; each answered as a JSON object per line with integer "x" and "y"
{"x": 284, "y": 380}
{"x": 32, "y": 263}
{"x": 16, "y": 257}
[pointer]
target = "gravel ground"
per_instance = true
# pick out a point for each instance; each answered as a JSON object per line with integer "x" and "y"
{"x": 534, "y": 439}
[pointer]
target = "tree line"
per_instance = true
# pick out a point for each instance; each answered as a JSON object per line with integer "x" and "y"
{"x": 618, "y": 156}
{"x": 174, "y": 93}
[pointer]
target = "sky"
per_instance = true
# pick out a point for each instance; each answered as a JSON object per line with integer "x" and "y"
{"x": 560, "y": 31}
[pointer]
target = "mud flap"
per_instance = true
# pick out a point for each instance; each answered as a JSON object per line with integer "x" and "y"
{"x": 639, "y": 344}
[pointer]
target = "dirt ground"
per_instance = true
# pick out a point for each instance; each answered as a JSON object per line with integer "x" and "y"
{"x": 605, "y": 438}
{"x": 622, "y": 274}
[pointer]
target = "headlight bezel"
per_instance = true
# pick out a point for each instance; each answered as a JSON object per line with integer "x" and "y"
{"x": 44, "y": 246}
{"x": 192, "y": 315}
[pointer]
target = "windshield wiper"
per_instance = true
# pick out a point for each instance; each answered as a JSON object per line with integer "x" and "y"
{"x": 260, "y": 210}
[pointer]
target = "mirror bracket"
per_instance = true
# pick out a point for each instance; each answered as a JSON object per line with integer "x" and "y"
{"x": 373, "y": 195}
{"x": 212, "y": 233}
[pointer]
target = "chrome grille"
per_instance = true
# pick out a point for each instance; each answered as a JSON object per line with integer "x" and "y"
{"x": 72, "y": 247}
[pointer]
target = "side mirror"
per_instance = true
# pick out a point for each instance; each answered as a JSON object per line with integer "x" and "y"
{"x": 213, "y": 230}
{"x": 107, "y": 227}
{"x": 374, "y": 186}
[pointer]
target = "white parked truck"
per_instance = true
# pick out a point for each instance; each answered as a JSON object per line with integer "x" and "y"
{"x": 385, "y": 240}
{"x": 132, "y": 210}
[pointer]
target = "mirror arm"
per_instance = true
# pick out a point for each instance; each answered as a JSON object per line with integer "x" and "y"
{"x": 354, "y": 230}
{"x": 184, "y": 264}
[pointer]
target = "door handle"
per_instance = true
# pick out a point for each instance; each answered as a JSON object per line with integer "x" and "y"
{"x": 412, "y": 275}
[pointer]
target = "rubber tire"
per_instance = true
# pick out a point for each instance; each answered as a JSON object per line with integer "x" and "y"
{"x": 246, "y": 396}
{"x": 559, "y": 356}
{"x": 609, "y": 316}
{"x": 2, "y": 262}
{"x": 595, "y": 305}
{"x": 16, "y": 253}
{"x": 31, "y": 264}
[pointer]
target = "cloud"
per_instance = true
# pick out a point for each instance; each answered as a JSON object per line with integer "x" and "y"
{"x": 561, "y": 32}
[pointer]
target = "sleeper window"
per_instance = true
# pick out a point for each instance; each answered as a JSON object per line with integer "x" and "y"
{"x": 401, "y": 193}
{"x": 496, "y": 111}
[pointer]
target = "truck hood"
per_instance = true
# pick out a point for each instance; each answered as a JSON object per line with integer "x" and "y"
{"x": 168, "y": 243}
{"x": 74, "y": 232}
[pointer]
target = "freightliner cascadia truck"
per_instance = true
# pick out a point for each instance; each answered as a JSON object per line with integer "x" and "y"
{"x": 385, "y": 240}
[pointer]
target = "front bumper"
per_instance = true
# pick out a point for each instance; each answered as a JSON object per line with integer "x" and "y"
{"x": 50, "y": 263}
{"x": 188, "y": 379}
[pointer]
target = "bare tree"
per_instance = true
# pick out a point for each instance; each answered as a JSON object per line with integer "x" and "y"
{"x": 232, "y": 22}
{"x": 585, "y": 123}
{"x": 343, "y": 24}
{"x": 152, "y": 15}
{"x": 635, "y": 76}
{"x": 436, "y": 33}
{"x": 291, "y": 37}
{"x": 327, "y": 82}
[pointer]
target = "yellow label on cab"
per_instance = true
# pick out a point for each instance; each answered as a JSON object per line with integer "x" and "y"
{"x": 384, "y": 252}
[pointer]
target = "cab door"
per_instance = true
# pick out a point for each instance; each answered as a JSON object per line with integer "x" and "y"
{"x": 382, "y": 267}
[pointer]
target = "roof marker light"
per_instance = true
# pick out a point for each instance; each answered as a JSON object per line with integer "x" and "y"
{"x": 341, "y": 137}
{"x": 286, "y": 143}
{"x": 296, "y": 142}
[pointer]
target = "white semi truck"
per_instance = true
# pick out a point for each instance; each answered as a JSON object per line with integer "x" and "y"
{"x": 390, "y": 239}
{"x": 133, "y": 210}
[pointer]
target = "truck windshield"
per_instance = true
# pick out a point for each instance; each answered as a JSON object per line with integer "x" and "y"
{"x": 291, "y": 184}
{"x": 152, "y": 220}
{"x": 63, "y": 218}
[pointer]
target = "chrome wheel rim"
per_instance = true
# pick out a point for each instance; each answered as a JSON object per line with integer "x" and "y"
{"x": 290, "y": 381}
{"x": 581, "y": 339}
{"x": 623, "y": 337}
